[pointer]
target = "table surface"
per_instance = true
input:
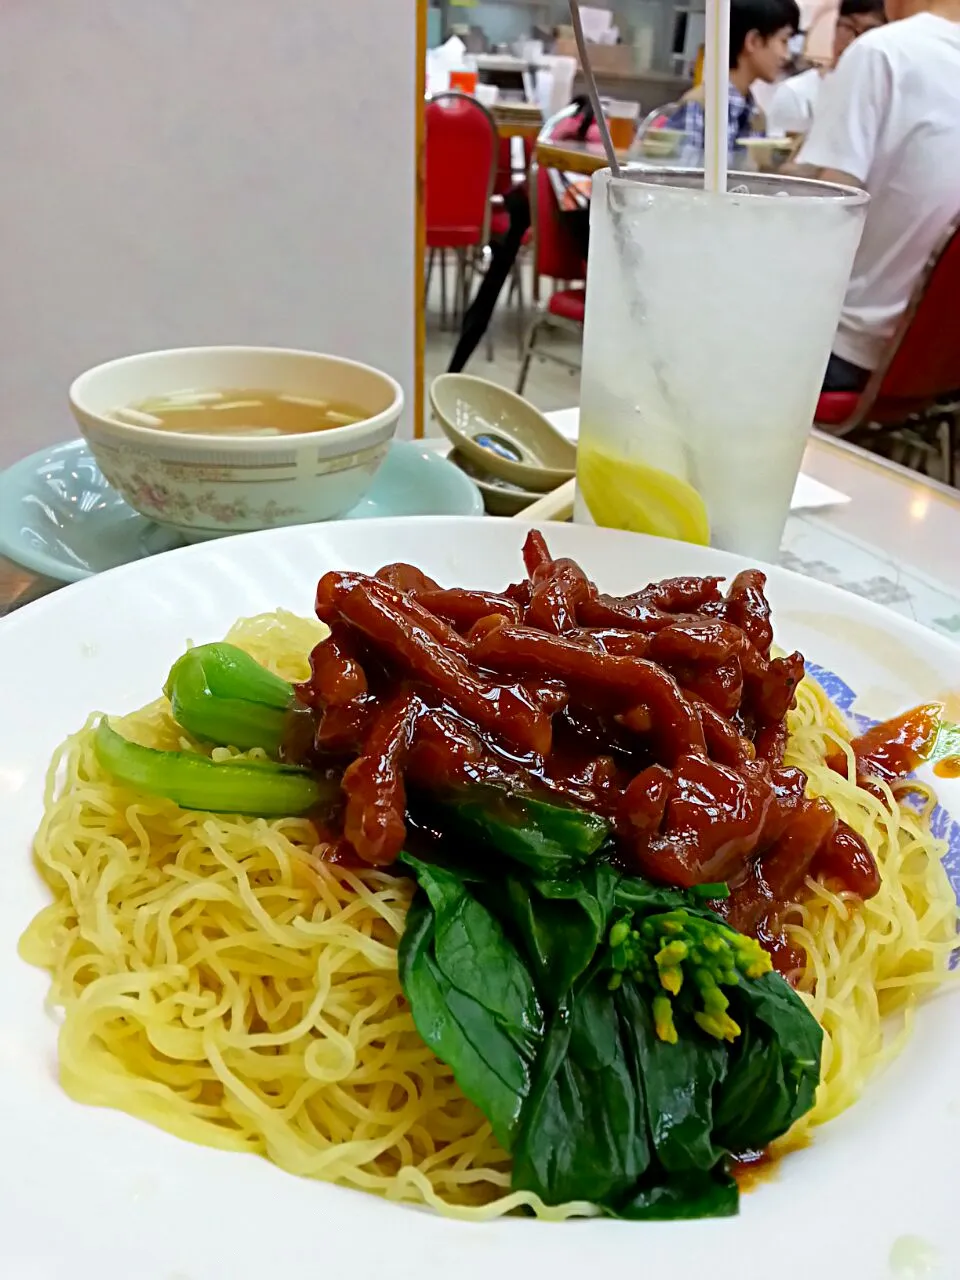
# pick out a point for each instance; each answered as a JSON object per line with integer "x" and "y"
{"x": 575, "y": 157}
{"x": 893, "y": 543}
{"x": 588, "y": 157}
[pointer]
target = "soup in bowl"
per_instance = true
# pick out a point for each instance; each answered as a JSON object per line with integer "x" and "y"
{"x": 218, "y": 440}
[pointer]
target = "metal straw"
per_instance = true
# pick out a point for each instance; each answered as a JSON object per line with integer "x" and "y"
{"x": 592, "y": 93}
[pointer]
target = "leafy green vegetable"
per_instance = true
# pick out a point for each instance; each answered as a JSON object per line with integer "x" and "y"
{"x": 583, "y": 1135}
{"x": 774, "y": 1065}
{"x": 946, "y": 743}
{"x": 680, "y": 1081}
{"x": 260, "y": 788}
{"x": 667, "y": 949}
{"x": 640, "y": 895}
{"x": 561, "y": 924}
{"x": 508, "y": 973}
{"x": 471, "y": 996}
{"x": 219, "y": 693}
{"x": 474, "y": 954}
{"x": 683, "y": 1196}
{"x": 549, "y": 839}
{"x": 717, "y": 890}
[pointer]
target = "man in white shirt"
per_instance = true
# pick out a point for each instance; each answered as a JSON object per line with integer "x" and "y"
{"x": 791, "y": 108}
{"x": 888, "y": 120}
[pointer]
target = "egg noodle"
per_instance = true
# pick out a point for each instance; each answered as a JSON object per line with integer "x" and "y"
{"x": 221, "y": 981}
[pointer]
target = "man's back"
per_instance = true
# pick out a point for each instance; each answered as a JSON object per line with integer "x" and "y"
{"x": 890, "y": 117}
{"x": 792, "y": 105}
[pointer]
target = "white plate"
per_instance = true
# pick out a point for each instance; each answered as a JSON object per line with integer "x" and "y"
{"x": 90, "y": 1194}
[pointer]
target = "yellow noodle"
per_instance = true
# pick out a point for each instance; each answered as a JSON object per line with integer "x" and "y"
{"x": 220, "y": 980}
{"x": 867, "y": 963}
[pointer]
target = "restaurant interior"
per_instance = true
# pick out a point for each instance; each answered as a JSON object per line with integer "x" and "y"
{"x": 479, "y": 608}
{"x": 486, "y": 173}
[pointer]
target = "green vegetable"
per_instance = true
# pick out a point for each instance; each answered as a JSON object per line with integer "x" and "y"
{"x": 680, "y": 1080}
{"x": 549, "y": 839}
{"x": 681, "y": 1197}
{"x": 561, "y": 924}
{"x": 578, "y": 1085}
{"x": 583, "y": 1134}
{"x": 262, "y": 788}
{"x": 472, "y": 997}
{"x": 664, "y": 951}
{"x": 946, "y": 744}
{"x": 710, "y": 892}
{"x": 219, "y": 693}
{"x": 774, "y": 1066}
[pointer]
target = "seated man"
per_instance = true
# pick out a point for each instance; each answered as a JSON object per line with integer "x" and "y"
{"x": 760, "y": 32}
{"x": 794, "y": 101}
{"x": 888, "y": 120}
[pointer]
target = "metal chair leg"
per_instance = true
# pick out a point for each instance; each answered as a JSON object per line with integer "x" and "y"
{"x": 528, "y": 356}
{"x": 457, "y": 287}
{"x": 466, "y": 280}
{"x": 521, "y": 308}
{"x": 426, "y": 284}
{"x": 948, "y": 448}
{"x": 443, "y": 288}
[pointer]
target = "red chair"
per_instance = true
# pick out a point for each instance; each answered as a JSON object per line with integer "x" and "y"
{"x": 461, "y": 166}
{"x": 913, "y": 396}
{"x": 507, "y": 177}
{"x": 556, "y": 254}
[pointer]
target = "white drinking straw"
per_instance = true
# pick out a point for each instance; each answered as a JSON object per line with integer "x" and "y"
{"x": 716, "y": 87}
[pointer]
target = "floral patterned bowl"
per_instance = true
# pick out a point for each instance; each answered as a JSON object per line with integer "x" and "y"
{"x": 206, "y": 486}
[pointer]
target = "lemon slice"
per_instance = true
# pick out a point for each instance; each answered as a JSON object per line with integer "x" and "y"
{"x": 622, "y": 494}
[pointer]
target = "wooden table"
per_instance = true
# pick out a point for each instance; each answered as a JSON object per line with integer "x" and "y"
{"x": 588, "y": 157}
{"x": 574, "y": 157}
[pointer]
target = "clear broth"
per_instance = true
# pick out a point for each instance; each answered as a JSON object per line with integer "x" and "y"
{"x": 239, "y": 413}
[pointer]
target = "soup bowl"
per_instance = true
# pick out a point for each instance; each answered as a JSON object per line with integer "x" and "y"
{"x": 206, "y": 486}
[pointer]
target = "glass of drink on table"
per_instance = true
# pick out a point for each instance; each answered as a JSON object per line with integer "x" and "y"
{"x": 621, "y": 120}
{"x": 710, "y": 317}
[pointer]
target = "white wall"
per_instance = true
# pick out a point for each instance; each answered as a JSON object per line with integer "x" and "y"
{"x": 190, "y": 171}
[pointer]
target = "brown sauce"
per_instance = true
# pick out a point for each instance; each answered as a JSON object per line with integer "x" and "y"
{"x": 751, "y": 1168}
{"x": 948, "y": 767}
{"x": 893, "y": 749}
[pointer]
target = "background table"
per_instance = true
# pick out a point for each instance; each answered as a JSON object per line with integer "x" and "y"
{"x": 588, "y": 157}
{"x": 575, "y": 157}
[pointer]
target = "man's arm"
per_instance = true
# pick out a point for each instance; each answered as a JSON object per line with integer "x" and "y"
{"x": 820, "y": 172}
{"x": 848, "y": 118}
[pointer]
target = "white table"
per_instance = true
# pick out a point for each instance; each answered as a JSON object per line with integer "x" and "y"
{"x": 895, "y": 543}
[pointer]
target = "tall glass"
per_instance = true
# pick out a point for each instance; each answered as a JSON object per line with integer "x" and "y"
{"x": 709, "y": 324}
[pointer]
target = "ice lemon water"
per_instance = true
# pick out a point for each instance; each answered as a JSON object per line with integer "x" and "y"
{"x": 621, "y": 494}
{"x": 709, "y": 321}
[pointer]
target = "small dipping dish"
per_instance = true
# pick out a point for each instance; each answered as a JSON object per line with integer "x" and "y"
{"x": 500, "y": 497}
{"x": 501, "y": 433}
